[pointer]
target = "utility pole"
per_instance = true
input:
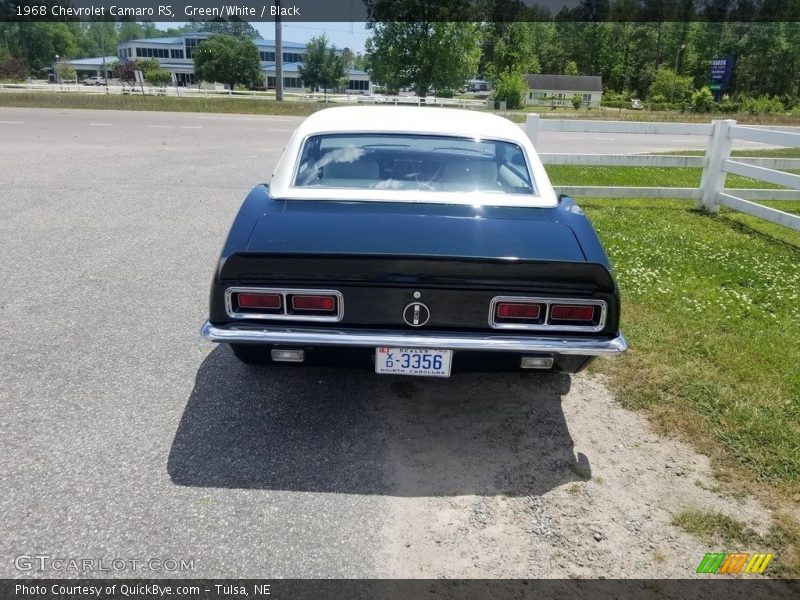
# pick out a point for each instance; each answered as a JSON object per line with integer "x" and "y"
{"x": 103, "y": 50}
{"x": 278, "y": 53}
{"x": 675, "y": 73}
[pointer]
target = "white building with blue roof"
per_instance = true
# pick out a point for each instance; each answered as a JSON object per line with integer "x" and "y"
{"x": 175, "y": 56}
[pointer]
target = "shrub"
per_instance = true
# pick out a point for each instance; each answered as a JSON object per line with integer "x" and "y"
{"x": 159, "y": 77}
{"x": 763, "y": 105}
{"x": 577, "y": 100}
{"x": 702, "y": 100}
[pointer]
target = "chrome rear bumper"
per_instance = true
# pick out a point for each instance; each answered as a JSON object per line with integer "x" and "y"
{"x": 391, "y": 338}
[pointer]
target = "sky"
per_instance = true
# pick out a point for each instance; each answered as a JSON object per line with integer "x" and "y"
{"x": 341, "y": 35}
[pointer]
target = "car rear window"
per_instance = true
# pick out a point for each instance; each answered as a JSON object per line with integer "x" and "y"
{"x": 413, "y": 162}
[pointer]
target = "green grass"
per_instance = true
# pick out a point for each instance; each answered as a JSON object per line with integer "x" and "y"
{"x": 711, "y": 307}
{"x": 160, "y": 103}
{"x": 760, "y": 152}
{"x": 723, "y": 532}
{"x": 642, "y": 176}
{"x": 615, "y": 114}
{"x": 686, "y": 177}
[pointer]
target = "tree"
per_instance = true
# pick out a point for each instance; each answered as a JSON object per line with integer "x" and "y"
{"x": 124, "y": 71}
{"x": 321, "y": 67}
{"x": 146, "y": 65}
{"x": 511, "y": 87}
{"x": 571, "y": 68}
{"x": 442, "y": 55}
{"x": 65, "y": 72}
{"x": 228, "y": 59}
{"x": 513, "y": 49}
{"x": 11, "y": 67}
{"x": 39, "y": 43}
{"x": 670, "y": 86}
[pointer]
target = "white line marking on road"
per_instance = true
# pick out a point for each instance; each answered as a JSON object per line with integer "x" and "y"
{"x": 264, "y": 119}
{"x": 230, "y": 119}
{"x": 100, "y": 124}
{"x": 12, "y": 122}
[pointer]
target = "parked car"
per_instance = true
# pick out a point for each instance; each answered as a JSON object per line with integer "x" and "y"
{"x": 636, "y": 104}
{"x": 94, "y": 81}
{"x": 416, "y": 240}
{"x": 370, "y": 98}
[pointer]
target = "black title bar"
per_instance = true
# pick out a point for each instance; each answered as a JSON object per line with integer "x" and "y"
{"x": 438, "y": 589}
{"x": 399, "y": 10}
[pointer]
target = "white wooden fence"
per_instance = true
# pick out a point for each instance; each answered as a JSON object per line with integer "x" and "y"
{"x": 716, "y": 164}
{"x": 192, "y": 91}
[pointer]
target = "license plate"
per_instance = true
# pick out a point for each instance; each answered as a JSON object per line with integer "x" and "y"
{"x": 413, "y": 361}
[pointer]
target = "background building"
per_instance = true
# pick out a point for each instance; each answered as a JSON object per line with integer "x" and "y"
{"x": 175, "y": 56}
{"x": 558, "y": 90}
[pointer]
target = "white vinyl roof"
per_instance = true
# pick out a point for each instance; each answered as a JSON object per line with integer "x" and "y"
{"x": 411, "y": 120}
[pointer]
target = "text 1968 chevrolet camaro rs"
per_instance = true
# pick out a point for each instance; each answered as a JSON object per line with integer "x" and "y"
{"x": 417, "y": 240}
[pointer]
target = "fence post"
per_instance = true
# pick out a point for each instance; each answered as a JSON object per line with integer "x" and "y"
{"x": 717, "y": 152}
{"x": 532, "y": 128}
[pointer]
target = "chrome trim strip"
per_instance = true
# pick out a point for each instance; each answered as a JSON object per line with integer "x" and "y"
{"x": 544, "y": 326}
{"x": 376, "y": 338}
{"x": 285, "y": 316}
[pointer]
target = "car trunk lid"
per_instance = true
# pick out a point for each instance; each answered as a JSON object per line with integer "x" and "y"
{"x": 412, "y": 234}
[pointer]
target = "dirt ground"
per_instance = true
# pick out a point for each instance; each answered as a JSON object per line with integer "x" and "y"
{"x": 560, "y": 482}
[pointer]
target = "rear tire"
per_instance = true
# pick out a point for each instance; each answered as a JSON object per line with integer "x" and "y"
{"x": 251, "y": 354}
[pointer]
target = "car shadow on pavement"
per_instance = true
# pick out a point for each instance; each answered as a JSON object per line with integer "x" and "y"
{"x": 342, "y": 430}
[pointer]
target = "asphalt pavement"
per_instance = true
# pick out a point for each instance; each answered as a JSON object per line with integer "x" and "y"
{"x": 124, "y": 435}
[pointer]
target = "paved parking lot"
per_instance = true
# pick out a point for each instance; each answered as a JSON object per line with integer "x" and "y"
{"x": 124, "y": 435}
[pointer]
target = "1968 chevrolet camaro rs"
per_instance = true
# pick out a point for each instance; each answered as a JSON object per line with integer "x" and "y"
{"x": 417, "y": 240}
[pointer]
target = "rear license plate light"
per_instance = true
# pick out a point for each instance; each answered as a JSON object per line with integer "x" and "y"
{"x": 287, "y": 355}
{"x": 536, "y": 362}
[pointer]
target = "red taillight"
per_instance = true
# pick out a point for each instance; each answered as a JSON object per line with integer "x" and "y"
{"x": 572, "y": 312}
{"x": 263, "y": 301}
{"x": 518, "y": 310}
{"x": 321, "y": 303}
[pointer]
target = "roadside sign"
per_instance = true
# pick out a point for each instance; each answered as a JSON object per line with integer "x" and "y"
{"x": 721, "y": 73}
{"x": 722, "y": 68}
